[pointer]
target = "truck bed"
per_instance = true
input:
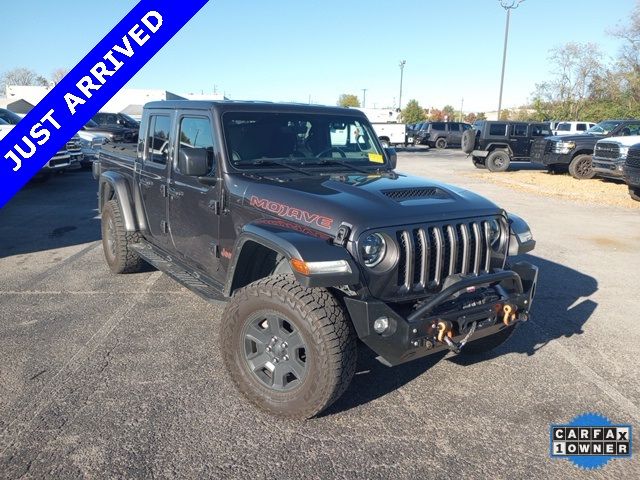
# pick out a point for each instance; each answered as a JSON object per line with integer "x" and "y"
{"x": 122, "y": 151}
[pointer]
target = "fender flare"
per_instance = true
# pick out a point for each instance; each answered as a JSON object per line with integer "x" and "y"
{"x": 117, "y": 183}
{"x": 294, "y": 244}
{"x": 499, "y": 146}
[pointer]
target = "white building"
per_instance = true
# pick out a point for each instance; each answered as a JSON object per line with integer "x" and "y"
{"x": 127, "y": 100}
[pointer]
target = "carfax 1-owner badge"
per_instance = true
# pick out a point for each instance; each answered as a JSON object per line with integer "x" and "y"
{"x": 590, "y": 440}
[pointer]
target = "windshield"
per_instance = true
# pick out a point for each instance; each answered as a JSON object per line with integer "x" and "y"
{"x": 10, "y": 117}
{"x": 604, "y": 128}
{"x": 129, "y": 120}
{"x": 299, "y": 139}
{"x": 2, "y": 122}
{"x": 91, "y": 124}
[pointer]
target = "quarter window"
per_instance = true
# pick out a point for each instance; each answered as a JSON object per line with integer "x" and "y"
{"x": 498, "y": 129}
{"x": 158, "y": 139}
{"x": 195, "y": 132}
{"x": 581, "y": 127}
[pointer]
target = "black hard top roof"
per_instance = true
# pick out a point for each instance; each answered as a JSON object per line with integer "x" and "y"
{"x": 222, "y": 106}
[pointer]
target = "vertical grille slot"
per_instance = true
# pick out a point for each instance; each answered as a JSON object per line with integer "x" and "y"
{"x": 453, "y": 248}
{"x": 438, "y": 241}
{"x": 466, "y": 249}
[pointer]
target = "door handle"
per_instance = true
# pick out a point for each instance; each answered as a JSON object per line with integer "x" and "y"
{"x": 175, "y": 193}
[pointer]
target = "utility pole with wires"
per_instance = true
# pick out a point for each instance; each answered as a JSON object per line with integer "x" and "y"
{"x": 508, "y": 5}
{"x": 364, "y": 97}
{"x": 402, "y": 64}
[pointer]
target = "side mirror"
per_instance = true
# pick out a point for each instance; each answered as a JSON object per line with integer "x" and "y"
{"x": 392, "y": 156}
{"x": 193, "y": 161}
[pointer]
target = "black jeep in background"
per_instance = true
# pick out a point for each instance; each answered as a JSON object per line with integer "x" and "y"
{"x": 495, "y": 144}
{"x": 441, "y": 134}
{"x": 118, "y": 121}
{"x": 632, "y": 172}
{"x": 574, "y": 152}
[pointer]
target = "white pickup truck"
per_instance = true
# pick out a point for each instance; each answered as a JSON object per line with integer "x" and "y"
{"x": 387, "y": 125}
{"x": 610, "y": 154}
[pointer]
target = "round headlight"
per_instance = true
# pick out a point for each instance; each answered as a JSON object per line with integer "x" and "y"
{"x": 373, "y": 249}
{"x": 495, "y": 234}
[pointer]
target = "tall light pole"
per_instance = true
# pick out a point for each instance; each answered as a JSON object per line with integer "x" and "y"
{"x": 402, "y": 64}
{"x": 508, "y": 5}
{"x": 364, "y": 97}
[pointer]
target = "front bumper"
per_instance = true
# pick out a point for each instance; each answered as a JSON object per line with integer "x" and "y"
{"x": 57, "y": 163}
{"x": 550, "y": 158}
{"x": 608, "y": 168}
{"x": 412, "y": 336}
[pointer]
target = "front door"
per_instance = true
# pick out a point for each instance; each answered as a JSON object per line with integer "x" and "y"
{"x": 194, "y": 202}
{"x": 152, "y": 179}
{"x": 455, "y": 135}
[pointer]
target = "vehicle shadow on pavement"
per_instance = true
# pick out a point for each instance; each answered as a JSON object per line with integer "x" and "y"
{"x": 61, "y": 212}
{"x": 560, "y": 309}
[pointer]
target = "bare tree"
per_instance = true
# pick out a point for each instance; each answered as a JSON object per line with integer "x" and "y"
{"x": 21, "y": 76}
{"x": 58, "y": 74}
{"x": 577, "y": 68}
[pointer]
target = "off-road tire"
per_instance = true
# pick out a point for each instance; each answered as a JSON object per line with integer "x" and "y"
{"x": 634, "y": 193}
{"x": 468, "y": 142}
{"x": 119, "y": 255}
{"x": 441, "y": 143}
{"x": 581, "y": 167}
{"x": 498, "y": 161}
{"x": 486, "y": 344}
{"x": 479, "y": 162}
{"x": 328, "y": 335}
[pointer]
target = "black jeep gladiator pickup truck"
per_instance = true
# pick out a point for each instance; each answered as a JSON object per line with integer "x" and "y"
{"x": 574, "y": 152}
{"x": 295, "y": 215}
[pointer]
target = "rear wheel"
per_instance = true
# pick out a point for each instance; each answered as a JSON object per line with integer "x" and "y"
{"x": 441, "y": 143}
{"x": 581, "y": 167}
{"x": 486, "y": 344}
{"x": 498, "y": 161}
{"x": 635, "y": 193}
{"x": 117, "y": 242}
{"x": 290, "y": 350}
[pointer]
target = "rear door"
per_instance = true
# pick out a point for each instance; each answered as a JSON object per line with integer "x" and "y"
{"x": 519, "y": 140}
{"x": 152, "y": 179}
{"x": 194, "y": 202}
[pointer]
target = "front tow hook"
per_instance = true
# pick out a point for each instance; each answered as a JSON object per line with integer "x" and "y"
{"x": 445, "y": 335}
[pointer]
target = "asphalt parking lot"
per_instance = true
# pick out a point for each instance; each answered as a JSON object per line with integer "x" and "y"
{"x": 109, "y": 376}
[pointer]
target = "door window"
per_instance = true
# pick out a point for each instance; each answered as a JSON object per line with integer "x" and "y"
{"x": 520, "y": 130}
{"x": 581, "y": 127}
{"x": 195, "y": 132}
{"x": 158, "y": 139}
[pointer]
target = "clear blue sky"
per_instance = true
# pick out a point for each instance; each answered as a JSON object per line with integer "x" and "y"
{"x": 288, "y": 50}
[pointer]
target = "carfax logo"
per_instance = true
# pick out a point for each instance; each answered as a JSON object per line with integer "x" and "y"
{"x": 590, "y": 440}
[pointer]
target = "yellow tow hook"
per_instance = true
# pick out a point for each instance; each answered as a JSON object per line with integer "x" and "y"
{"x": 444, "y": 330}
{"x": 509, "y": 314}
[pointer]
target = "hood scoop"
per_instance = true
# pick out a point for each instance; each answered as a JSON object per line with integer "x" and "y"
{"x": 416, "y": 193}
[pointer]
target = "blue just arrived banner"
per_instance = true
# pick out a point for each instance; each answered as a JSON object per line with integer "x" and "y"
{"x": 88, "y": 87}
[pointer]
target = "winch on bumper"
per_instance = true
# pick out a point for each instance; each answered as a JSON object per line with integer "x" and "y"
{"x": 467, "y": 308}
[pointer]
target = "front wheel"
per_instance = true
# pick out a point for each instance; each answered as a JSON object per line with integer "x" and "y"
{"x": 635, "y": 194}
{"x": 290, "y": 350}
{"x": 486, "y": 344}
{"x": 441, "y": 143}
{"x": 581, "y": 167}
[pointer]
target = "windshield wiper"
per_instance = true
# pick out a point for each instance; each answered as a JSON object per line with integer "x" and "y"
{"x": 268, "y": 161}
{"x": 333, "y": 161}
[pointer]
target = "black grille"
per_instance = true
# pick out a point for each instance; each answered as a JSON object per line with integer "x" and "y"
{"x": 633, "y": 158}
{"x": 429, "y": 254}
{"x": 607, "y": 150}
{"x": 403, "y": 194}
{"x": 73, "y": 146}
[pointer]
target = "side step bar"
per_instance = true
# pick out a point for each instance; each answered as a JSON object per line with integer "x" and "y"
{"x": 206, "y": 288}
